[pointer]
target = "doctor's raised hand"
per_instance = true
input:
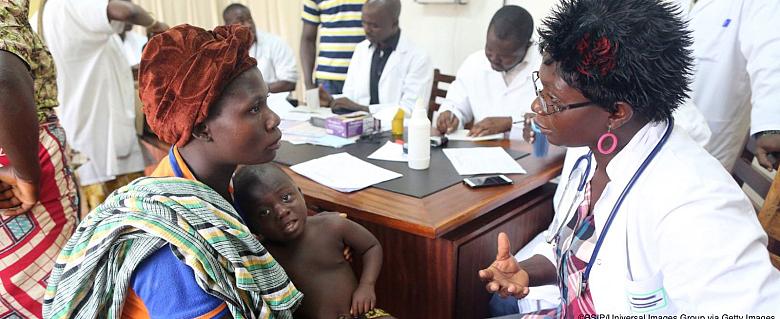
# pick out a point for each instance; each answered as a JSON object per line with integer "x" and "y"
{"x": 505, "y": 275}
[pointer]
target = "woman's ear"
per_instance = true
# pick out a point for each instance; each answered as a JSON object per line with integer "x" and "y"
{"x": 622, "y": 115}
{"x": 201, "y": 132}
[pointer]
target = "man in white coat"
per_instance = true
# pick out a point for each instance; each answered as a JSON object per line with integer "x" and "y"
{"x": 737, "y": 76}
{"x": 493, "y": 87}
{"x": 96, "y": 88}
{"x": 387, "y": 70}
{"x": 274, "y": 57}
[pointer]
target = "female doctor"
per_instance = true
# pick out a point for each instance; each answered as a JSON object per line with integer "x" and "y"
{"x": 646, "y": 220}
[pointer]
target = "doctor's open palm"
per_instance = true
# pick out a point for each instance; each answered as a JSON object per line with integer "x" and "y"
{"x": 505, "y": 275}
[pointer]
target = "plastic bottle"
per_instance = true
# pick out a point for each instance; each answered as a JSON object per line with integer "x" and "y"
{"x": 397, "y": 128}
{"x": 419, "y": 127}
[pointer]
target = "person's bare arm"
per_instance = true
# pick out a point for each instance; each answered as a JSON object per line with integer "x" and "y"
{"x": 308, "y": 52}
{"x": 131, "y": 13}
{"x": 367, "y": 246}
{"x": 281, "y": 86}
{"x": 345, "y": 105}
{"x": 18, "y": 135}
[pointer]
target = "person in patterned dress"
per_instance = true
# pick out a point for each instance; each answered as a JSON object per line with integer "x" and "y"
{"x": 37, "y": 191}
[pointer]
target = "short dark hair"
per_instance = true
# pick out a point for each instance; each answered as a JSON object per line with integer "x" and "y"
{"x": 392, "y": 6}
{"x": 635, "y": 51}
{"x": 262, "y": 175}
{"x": 512, "y": 23}
{"x": 234, "y": 6}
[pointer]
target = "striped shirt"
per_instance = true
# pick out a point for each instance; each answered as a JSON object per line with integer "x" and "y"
{"x": 340, "y": 31}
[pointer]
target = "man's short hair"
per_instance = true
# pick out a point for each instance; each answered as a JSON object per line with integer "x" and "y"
{"x": 512, "y": 23}
{"x": 234, "y": 6}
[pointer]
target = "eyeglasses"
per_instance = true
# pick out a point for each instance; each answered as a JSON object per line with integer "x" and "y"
{"x": 551, "y": 108}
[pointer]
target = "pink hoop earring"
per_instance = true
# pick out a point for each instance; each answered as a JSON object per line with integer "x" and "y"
{"x": 604, "y": 137}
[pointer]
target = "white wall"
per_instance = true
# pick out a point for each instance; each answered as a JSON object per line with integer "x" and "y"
{"x": 450, "y": 32}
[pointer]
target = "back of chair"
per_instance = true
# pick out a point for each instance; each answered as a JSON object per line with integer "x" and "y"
{"x": 745, "y": 173}
{"x": 438, "y": 77}
{"x": 769, "y": 216}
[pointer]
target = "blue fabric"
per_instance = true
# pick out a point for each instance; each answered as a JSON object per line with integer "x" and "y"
{"x": 168, "y": 289}
{"x": 502, "y": 306}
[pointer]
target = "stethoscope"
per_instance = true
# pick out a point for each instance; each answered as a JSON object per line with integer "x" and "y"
{"x": 580, "y": 193}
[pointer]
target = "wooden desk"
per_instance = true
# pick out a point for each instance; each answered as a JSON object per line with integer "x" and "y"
{"x": 434, "y": 246}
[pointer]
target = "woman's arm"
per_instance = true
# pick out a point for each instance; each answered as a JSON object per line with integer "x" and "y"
{"x": 511, "y": 278}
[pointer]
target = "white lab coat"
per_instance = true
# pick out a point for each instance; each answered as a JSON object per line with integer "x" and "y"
{"x": 407, "y": 76}
{"x": 479, "y": 91}
{"x": 737, "y": 66}
{"x": 275, "y": 59}
{"x": 685, "y": 219}
{"x": 95, "y": 88}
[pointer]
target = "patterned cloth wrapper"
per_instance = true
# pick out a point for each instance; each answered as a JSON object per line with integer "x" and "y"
{"x": 92, "y": 273}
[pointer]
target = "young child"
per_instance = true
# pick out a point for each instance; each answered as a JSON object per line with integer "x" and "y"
{"x": 310, "y": 249}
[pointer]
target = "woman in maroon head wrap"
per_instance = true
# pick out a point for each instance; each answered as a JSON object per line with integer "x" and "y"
{"x": 172, "y": 246}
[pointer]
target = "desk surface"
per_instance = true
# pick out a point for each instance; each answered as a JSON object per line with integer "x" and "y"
{"x": 443, "y": 211}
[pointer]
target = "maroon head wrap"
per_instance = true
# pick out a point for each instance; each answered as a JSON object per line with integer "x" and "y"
{"x": 183, "y": 72}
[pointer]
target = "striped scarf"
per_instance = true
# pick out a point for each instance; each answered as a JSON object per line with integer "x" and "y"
{"x": 92, "y": 273}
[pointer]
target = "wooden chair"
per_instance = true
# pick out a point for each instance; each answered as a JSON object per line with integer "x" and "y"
{"x": 438, "y": 77}
{"x": 745, "y": 173}
{"x": 769, "y": 216}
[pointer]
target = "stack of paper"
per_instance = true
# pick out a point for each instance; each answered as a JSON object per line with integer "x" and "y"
{"x": 344, "y": 172}
{"x": 302, "y": 132}
{"x": 482, "y": 160}
{"x": 463, "y": 135}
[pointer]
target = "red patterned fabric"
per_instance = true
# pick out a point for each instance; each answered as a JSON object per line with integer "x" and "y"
{"x": 183, "y": 72}
{"x": 29, "y": 243}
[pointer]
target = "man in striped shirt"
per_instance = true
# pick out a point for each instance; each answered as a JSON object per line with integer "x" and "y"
{"x": 340, "y": 30}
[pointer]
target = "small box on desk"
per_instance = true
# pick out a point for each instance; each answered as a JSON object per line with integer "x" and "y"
{"x": 352, "y": 124}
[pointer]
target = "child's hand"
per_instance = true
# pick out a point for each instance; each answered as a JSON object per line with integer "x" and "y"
{"x": 363, "y": 300}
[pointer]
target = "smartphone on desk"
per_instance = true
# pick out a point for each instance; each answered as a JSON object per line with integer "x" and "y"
{"x": 485, "y": 181}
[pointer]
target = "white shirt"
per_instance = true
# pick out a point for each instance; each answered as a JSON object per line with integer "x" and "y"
{"x": 686, "y": 220}
{"x": 274, "y": 57}
{"x": 133, "y": 46}
{"x": 407, "y": 76}
{"x": 479, "y": 91}
{"x": 95, "y": 88}
{"x": 736, "y": 67}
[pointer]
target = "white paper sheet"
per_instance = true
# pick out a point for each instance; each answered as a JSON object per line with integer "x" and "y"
{"x": 344, "y": 172}
{"x": 304, "y": 128}
{"x": 390, "y": 152}
{"x": 463, "y": 135}
{"x": 278, "y": 103}
{"x": 482, "y": 160}
{"x": 312, "y": 97}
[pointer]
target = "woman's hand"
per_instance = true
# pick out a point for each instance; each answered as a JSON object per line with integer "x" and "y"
{"x": 18, "y": 195}
{"x": 363, "y": 300}
{"x": 505, "y": 275}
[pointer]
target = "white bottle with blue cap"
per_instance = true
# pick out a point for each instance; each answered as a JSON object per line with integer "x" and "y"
{"x": 419, "y": 155}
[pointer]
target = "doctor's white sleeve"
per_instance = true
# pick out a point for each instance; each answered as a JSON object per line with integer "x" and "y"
{"x": 91, "y": 15}
{"x": 457, "y": 100}
{"x": 284, "y": 62}
{"x": 759, "y": 42}
{"x": 417, "y": 82}
{"x": 712, "y": 253}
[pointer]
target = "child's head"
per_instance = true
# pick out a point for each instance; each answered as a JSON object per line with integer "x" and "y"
{"x": 272, "y": 204}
